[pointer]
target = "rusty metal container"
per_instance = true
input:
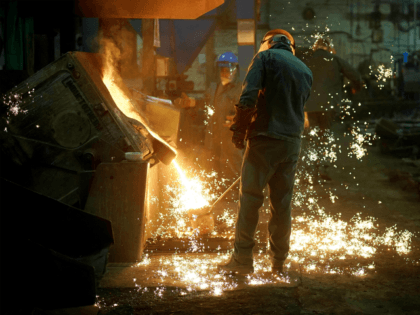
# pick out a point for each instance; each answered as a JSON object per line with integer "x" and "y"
{"x": 118, "y": 193}
{"x": 66, "y": 131}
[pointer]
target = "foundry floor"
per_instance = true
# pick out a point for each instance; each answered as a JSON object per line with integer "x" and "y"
{"x": 392, "y": 287}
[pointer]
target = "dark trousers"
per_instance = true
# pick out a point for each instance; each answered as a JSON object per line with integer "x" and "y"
{"x": 323, "y": 120}
{"x": 273, "y": 162}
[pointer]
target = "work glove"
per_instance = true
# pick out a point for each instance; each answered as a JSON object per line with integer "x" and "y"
{"x": 238, "y": 139}
{"x": 240, "y": 124}
{"x": 184, "y": 101}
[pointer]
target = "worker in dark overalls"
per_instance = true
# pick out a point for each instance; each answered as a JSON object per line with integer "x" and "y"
{"x": 326, "y": 94}
{"x": 220, "y": 101}
{"x": 270, "y": 117}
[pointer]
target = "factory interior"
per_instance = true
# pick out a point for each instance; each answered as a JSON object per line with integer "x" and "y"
{"x": 115, "y": 199}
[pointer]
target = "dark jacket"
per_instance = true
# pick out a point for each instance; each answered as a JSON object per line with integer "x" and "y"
{"x": 328, "y": 84}
{"x": 278, "y": 84}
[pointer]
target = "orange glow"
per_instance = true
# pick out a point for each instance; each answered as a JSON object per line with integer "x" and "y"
{"x": 157, "y": 9}
{"x": 193, "y": 195}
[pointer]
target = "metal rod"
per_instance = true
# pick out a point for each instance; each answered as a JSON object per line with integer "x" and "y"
{"x": 227, "y": 190}
{"x": 221, "y": 197}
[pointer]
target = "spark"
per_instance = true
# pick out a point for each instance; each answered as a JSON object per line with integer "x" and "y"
{"x": 381, "y": 72}
{"x": 16, "y": 104}
{"x": 209, "y": 110}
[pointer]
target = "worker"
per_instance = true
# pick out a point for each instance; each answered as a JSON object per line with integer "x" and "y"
{"x": 217, "y": 139}
{"x": 217, "y": 153}
{"x": 326, "y": 94}
{"x": 270, "y": 117}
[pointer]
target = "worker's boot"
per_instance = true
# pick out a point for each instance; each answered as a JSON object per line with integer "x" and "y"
{"x": 233, "y": 266}
{"x": 281, "y": 270}
{"x": 277, "y": 270}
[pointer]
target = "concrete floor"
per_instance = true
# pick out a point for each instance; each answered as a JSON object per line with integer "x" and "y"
{"x": 188, "y": 283}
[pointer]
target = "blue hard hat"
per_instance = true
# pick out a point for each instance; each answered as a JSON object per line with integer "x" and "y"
{"x": 226, "y": 59}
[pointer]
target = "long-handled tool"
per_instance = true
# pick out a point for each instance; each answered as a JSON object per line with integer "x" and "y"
{"x": 202, "y": 218}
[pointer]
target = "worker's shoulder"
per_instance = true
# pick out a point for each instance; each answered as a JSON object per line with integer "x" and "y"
{"x": 284, "y": 57}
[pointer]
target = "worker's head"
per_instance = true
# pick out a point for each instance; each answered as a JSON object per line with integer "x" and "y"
{"x": 325, "y": 44}
{"x": 276, "y": 36}
{"x": 228, "y": 67}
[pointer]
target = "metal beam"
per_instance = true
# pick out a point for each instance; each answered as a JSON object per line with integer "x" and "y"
{"x": 145, "y": 9}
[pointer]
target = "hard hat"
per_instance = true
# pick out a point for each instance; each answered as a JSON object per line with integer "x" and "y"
{"x": 227, "y": 59}
{"x": 281, "y": 32}
{"x": 278, "y": 31}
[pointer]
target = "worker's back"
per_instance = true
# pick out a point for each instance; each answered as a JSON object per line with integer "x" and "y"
{"x": 285, "y": 86}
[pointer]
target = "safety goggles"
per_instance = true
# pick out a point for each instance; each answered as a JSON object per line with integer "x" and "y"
{"x": 224, "y": 64}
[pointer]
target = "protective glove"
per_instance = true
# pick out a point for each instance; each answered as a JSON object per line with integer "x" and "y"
{"x": 240, "y": 125}
{"x": 238, "y": 139}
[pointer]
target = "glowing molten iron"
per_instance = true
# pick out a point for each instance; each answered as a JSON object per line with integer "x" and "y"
{"x": 192, "y": 197}
{"x": 120, "y": 98}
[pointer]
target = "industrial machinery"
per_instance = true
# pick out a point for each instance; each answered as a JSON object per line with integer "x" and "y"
{"x": 408, "y": 74}
{"x": 62, "y": 126}
{"x": 399, "y": 137}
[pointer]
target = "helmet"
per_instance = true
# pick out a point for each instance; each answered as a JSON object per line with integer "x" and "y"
{"x": 228, "y": 66}
{"x": 277, "y": 38}
{"x": 227, "y": 59}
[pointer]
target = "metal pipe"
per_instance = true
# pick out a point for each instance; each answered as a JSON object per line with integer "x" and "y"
{"x": 408, "y": 23}
{"x": 415, "y": 26}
